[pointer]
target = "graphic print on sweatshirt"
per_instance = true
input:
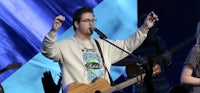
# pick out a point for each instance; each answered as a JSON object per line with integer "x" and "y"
{"x": 94, "y": 68}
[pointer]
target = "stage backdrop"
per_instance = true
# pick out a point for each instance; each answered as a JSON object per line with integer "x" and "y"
{"x": 24, "y": 24}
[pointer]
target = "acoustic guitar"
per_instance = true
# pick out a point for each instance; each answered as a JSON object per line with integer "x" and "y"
{"x": 102, "y": 86}
{"x": 133, "y": 68}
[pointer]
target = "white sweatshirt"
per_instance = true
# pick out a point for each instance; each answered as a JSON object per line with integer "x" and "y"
{"x": 80, "y": 61}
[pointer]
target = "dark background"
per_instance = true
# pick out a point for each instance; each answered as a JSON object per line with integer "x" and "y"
{"x": 177, "y": 22}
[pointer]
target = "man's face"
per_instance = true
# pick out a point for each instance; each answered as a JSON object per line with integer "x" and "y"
{"x": 87, "y": 20}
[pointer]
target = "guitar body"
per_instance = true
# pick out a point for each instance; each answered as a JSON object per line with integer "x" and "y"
{"x": 102, "y": 86}
{"x": 132, "y": 70}
{"x": 99, "y": 85}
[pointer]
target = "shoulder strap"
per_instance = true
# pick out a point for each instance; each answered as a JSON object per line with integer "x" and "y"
{"x": 157, "y": 45}
{"x": 99, "y": 48}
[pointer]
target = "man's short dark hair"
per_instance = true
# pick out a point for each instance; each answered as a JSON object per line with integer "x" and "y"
{"x": 78, "y": 13}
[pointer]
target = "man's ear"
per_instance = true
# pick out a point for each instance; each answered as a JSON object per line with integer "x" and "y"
{"x": 76, "y": 24}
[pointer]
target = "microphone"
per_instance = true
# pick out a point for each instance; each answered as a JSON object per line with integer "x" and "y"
{"x": 93, "y": 28}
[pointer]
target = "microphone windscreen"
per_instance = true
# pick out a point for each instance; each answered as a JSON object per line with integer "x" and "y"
{"x": 92, "y": 28}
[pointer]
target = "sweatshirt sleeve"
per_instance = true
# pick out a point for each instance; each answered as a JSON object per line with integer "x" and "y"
{"x": 129, "y": 44}
{"x": 49, "y": 47}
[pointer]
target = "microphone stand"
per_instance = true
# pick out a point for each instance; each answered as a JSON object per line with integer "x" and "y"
{"x": 140, "y": 62}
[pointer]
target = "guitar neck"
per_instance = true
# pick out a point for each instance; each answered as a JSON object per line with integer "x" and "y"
{"x": 11, "y": 66}
{"x": 184, "y": 43}
{"x": 125, "y": 84}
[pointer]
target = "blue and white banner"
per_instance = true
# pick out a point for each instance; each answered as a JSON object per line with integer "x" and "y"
{"x": 24, "y": 24}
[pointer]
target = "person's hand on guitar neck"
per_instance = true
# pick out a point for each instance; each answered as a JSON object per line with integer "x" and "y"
{"x": 167, "y": 56}
{"x": 156, "y": 69}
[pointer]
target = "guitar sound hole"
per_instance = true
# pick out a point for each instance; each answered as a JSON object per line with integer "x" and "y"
{"x": 97, "y": 91}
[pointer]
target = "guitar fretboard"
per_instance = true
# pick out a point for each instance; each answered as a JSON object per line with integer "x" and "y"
{"x": 125, "y": 84}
